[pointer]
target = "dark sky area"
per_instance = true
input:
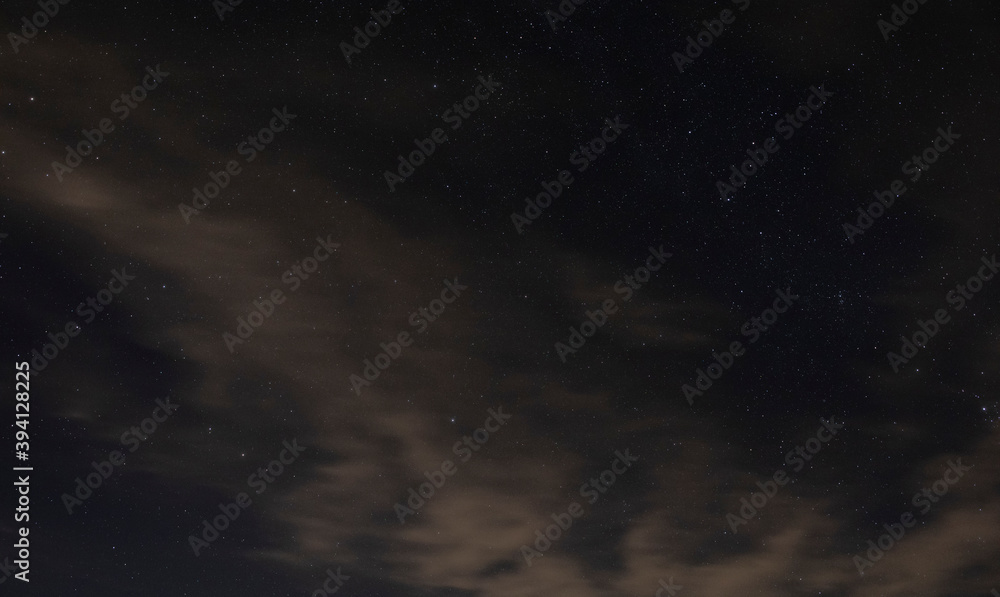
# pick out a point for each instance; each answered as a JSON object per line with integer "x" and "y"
{"x": 616, "y": 327}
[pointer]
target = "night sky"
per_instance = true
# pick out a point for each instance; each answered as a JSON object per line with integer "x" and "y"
{"x": 632, "y": 299}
